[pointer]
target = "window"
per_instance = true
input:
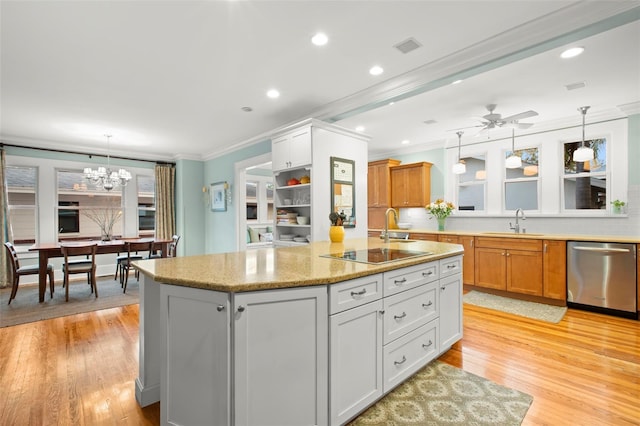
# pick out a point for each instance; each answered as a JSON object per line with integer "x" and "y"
{"x": 68, "y": 218}
{"x": 259, "y": 199}
{"x": 97, "y": 212}
{"x": 521, "y": 184}
{"x": 585, "y": 184}
{"x": 471, "y": 184}
{"x": 21, "y": 195}
{"x": 146, "y": 205}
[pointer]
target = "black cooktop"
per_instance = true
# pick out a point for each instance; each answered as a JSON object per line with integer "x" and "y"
{"x": 377, "y": 255}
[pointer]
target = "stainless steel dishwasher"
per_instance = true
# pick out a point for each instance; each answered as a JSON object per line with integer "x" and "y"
{"x": 602, "y": 277}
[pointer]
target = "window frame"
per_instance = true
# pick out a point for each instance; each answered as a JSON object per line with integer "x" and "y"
{"x": 537, "y": 178}
{"x": 471, "y": 183}
{"x": 12, "y": 207}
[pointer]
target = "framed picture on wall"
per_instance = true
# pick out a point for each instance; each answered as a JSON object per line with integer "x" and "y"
{"x": 217, "y": 192}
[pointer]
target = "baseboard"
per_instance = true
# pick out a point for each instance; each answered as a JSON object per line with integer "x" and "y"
{"x": 147, "y": 395}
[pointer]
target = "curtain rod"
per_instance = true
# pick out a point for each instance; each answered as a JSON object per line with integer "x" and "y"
{"x": 62, "y": 151}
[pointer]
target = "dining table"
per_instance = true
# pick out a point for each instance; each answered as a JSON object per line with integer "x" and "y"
{"x": 49, "y": 250}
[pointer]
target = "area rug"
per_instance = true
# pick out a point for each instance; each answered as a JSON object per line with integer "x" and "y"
{"x": 440, "y": 394}
{"x": 538, "y": 311}
{"x": 25, "y": 307}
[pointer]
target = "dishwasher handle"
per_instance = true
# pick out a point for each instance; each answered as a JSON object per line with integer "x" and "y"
{"x": 601, "y": 249}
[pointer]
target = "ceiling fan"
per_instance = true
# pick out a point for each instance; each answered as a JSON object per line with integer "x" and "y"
{"x": 494, "y": 120}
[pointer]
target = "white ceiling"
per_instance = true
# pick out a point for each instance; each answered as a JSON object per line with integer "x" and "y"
{"x": 168, "y": 79}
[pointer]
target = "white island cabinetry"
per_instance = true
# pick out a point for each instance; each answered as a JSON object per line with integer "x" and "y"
{"x": 315, "y": 355}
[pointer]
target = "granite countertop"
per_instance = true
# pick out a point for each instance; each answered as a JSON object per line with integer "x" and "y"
{"x": 285, "y": 267}
{"x": 538, "y": 236}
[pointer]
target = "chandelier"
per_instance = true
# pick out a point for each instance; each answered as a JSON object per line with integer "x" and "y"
{"x": 105, "y": 177}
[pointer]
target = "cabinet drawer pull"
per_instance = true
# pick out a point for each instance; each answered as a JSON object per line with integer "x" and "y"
{"x": 402, "y": 281}
{"x": 427, "y": 274}
{"x": 404, "y": 358}
{"x": 451, "y": 266}
{"x": 220, "y": 308}
{"x": 443, "y": 288}
{"x": 381, "y": 312}
{"x": 427, "y": 345}
{"x": 428, "y": 304}
{"x": 240, "y": 308}
{"x": 358, "y": 293}
{"x": 404, "y": 314}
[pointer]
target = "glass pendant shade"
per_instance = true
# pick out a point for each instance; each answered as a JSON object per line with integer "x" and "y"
{"x": 582, "y": 154}
{"x": 513, "y": 162}
{"x": 459, "y": 168}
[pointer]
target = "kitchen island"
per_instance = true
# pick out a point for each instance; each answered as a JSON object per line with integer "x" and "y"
{"x": 301, "y": 335}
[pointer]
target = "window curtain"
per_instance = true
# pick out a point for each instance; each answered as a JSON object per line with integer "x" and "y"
{"x": 165, "y": 201}
{"x": 5, "y": 274}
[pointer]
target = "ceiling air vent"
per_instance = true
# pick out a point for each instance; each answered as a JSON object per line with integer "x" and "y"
{"x": 408, "y": 45}
{"x": 430, "y": 122}
{"x": 574, "y": 86}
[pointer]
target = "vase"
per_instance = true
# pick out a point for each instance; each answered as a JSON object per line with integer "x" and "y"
{"x": 441, "y": 223}
{"x": 336, "y": 233}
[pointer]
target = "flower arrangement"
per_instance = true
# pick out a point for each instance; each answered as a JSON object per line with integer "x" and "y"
{"x": 337, "y": 219}
{"x": 440, "y": 209}
{"x": 618, "y": 204}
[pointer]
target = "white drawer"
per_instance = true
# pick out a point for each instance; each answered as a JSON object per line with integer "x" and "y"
{"x": 410, "y": 277}
{"x": 409, "y": 310}
{"x": 349, "y": 294}
{"x": 450, "y": 266}
{"x": 409, "y": 354}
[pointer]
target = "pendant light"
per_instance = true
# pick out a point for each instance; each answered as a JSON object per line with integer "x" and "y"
{"x": 459, "y": 168}
{"x": 583, "y": 153}
{"x": 513, "y": 161}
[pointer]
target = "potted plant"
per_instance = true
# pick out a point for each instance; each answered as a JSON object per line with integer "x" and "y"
{"x": 440, "y": 209}
{"x": 336, "y": 231}
{"x": 617, "y": 206}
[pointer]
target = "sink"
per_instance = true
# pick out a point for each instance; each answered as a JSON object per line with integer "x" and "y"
{"x": 522, "y": 234}
{"x": 395, "y": 235}
{"x": 400, "y": 240}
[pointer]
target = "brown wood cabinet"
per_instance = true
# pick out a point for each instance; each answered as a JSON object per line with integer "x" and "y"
{"x": 510, "y": 264}
{"x": 423, "y": 237}
{"x": 379, "y": 191}
{"x": 411, "y": 185}
{"x": 638, "y": 275}
{"x": 379, "y": 182}
{"x": 554, "y": 269}
{"x": 469, "y": 259}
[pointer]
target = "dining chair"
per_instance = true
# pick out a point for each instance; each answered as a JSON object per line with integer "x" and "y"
{"x": 19, "y": 271}
{"x": 84, "y": 266}
{"x": 134, "y": 248}
{"x": 171, "y": 251}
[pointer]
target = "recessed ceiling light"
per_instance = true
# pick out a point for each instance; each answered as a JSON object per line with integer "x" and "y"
{"x": 571, "y": 53}
{"x": 273, "y": 94}
{"x": 360, "y": 129}
{"x": 457, "y": 82}
{"x": 391, "y": 103}
{"x": 320, "y": 39}
{"x": 376, "y": 70}
{"x": 406, "y": 142}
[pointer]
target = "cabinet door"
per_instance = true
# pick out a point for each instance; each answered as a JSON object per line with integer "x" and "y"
{"x": 280, "y": 153}
{"x": 469, "y": 260}
{"x": 415, "y": 184}
{"x": 376, "y": 185}
{"x": 450, "y": 291}
{"x": 554, "y": 264}
{"x": 524, "y": 272}
{"x": 281, "y": 357}
{"x": 195, "y": 381}
{"x": 356, "y": 360}
{"x": 452, "y": 239}
{"x": 399, "y": 187}
{"x": 491, "y": 266}
{"x": 300, "y": 148}
{"x": 423, "y": 237}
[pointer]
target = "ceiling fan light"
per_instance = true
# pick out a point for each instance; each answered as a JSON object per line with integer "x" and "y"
{"x": 459, "y": 168}
{"x": 530, "y": 170}
{"x": 583, "y": 154}
{"x": 513, "y": 162}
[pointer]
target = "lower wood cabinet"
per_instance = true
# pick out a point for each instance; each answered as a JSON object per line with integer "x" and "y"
{"x": 554, "y": 274}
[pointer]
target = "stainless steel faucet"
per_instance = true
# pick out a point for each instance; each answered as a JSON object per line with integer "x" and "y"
{"x": 386, "y": 222}
{"x": 516, "y": 228}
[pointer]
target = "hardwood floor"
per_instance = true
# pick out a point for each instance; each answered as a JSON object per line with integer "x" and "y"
{"x": 80, "y": 369}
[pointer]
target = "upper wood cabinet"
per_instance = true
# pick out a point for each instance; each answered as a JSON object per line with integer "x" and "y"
{"x": 379, "y": 183}
{"x": 411, "y": 185}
